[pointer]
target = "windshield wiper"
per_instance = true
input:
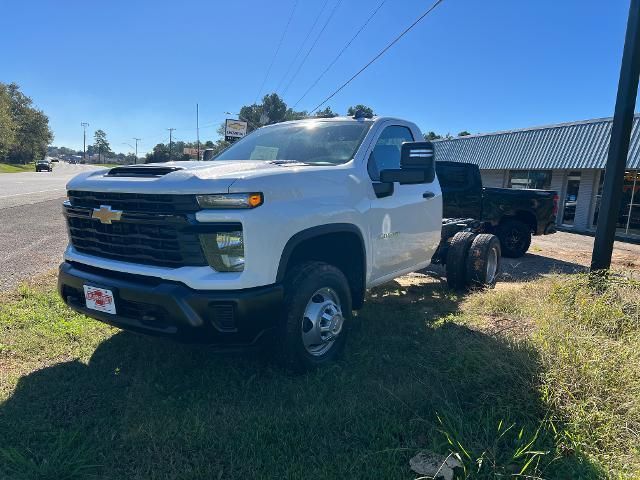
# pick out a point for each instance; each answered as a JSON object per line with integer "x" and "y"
{"x": 299, "y": 162}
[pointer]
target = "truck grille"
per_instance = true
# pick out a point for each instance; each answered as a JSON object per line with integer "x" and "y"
{"x": 135, "y": 202}
{"x": 144, "y": 238}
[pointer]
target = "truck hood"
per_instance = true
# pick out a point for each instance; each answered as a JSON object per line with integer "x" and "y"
{"x": 175, "y": 177}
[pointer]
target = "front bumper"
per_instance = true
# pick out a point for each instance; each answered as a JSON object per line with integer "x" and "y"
{"x": 158, "y": 307}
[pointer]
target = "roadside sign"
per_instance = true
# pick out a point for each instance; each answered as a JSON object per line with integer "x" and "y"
{"x": 234, "y": 129}
{"x": 192, "y": 152}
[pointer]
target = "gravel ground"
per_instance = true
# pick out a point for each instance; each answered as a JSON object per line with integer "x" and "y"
{"x": 565, "y": 252}
{"x": 32, "y": 240}
{"x": 33, "y": 235}
{"x": 561, "y": 252}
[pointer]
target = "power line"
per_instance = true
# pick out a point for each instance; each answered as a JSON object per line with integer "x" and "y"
{"x": 337, "y": 57}
{"x": 382, "y": 52}
{"x": 313, "y": 45}
{"x": 284, "y": 32}
{"x": 302, "y": 45}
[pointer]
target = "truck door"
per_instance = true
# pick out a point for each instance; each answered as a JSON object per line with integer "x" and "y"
{"x": 404, "y": 224}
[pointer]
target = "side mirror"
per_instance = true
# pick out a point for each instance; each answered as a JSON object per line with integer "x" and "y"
{"x": 403, "y": 175}
{"x": 419, "y": 155}
{"x": 417, "y": 165}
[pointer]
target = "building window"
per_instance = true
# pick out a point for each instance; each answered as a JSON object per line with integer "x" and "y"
{"x": 628, "y": 222}
{"x": 522, "y": 179}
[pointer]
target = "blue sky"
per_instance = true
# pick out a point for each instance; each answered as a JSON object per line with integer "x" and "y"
{"x": 136, "y": 68}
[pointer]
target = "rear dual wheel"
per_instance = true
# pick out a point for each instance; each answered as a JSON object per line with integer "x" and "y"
{"x": 473, "y": 261}
{"x": 483, "y": 261}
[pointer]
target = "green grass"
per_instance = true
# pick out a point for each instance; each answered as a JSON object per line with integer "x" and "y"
{"x": 424, "y": 369}
{"x": 587, "y": 336}
{"x": 11, "y": 168}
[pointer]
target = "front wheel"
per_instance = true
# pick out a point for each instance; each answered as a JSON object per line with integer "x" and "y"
{"x": 317, "y": 311}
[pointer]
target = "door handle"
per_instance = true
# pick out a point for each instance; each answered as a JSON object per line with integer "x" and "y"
{"x": 428, "y": 195}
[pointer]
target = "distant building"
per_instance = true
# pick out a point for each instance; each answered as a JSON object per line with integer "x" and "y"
{"x": 567, "y": 157}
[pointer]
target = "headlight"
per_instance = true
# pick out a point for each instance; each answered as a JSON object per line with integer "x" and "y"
{"x": 224, "y": 250}
{"x": 231, "y": 200}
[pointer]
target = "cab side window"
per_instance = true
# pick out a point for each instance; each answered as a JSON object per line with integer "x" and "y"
{"x": 386, "y": 153}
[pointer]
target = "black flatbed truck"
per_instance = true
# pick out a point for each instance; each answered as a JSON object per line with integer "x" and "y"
{"x": 513, "y": 215}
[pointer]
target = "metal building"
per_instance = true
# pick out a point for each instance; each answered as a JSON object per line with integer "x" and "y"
{"x": 567, "y": 157}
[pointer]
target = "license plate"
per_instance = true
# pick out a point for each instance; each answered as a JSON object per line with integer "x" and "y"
{"x": 99, "y": 299}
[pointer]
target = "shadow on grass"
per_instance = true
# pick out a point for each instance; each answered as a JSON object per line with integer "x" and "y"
{"x": 533, "y": 266}
{"x": 147, "y": 408}
{"x": 524, "y": 269}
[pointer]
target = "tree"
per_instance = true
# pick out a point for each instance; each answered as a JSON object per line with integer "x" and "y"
{"x": 368, "y": 111}
{"x": 160, "y": 153}
{"x": 219, "y": 146}
{"x": 326, "y": 113}
{"x": 7, "y": 124}
{"x": 463, "y": 133}
{"x": 272, "y": 110}
{"x": 431, "y": 136}
{"x": 55, "y": 151}
{"x": 24, "y": 130}
{"x": 100, "y": 143}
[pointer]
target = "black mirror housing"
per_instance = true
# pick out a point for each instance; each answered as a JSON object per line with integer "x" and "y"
{"x": 417, "y": 165}
{"x": 416, "y": 155}
{"x": 419, "y": 155}
{"x": 404, "y": 175}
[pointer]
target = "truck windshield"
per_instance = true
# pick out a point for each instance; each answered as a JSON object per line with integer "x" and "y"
{"x": 314, "y": 142}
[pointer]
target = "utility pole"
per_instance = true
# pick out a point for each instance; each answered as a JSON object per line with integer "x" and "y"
{"x": 170, "y": 140}
{"x": 619, "y": 143}
{"x": 84, "y": 140}
{"x": 137, "y": 140}
{"x": 198, "y": 129}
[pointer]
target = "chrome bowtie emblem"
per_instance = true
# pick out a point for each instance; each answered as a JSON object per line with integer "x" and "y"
{"x": 106, "y": 215}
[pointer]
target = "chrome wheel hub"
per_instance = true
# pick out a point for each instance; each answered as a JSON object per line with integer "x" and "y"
{"x": 492, "y": 265}
{"x": 322, "y": 321}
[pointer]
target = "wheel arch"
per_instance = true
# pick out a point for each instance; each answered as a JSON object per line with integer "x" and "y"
{"x": 338, "y": 244}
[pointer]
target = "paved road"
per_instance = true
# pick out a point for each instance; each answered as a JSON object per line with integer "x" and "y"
{"x": 33, "y": 235}
{"x": 33, "y": 187}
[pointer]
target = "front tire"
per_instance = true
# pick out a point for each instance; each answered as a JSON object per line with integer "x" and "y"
{"x": 317, "y": 310}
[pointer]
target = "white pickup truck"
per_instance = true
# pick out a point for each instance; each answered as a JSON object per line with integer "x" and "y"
{"x": 278, "y": 237}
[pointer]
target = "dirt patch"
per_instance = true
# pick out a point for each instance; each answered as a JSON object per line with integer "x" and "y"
{"x": 565, "y": 252}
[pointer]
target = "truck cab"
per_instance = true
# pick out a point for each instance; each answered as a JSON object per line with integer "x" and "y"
{"x": 277, "y": 237}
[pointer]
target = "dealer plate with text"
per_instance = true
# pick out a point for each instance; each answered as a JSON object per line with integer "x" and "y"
{"x": 99, "y": 299}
